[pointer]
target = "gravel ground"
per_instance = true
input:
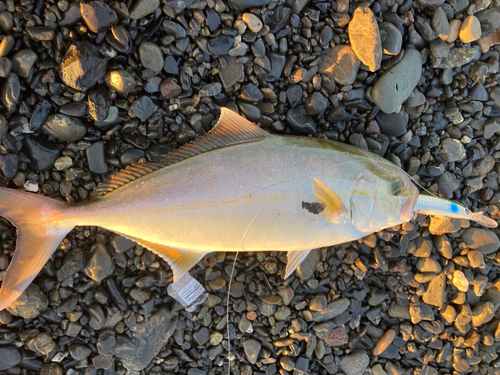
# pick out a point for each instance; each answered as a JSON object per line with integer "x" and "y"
{"x": 87, "y": 89}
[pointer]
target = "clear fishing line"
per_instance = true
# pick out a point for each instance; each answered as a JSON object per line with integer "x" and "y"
{"x": 227, "y": 316}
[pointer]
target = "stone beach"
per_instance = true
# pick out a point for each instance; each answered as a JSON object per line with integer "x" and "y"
{"x": 88, "y": 88}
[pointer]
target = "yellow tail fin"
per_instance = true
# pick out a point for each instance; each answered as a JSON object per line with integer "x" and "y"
{"x": 40, "y": 229}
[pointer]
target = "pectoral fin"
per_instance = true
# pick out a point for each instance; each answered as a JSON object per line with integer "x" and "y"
{"x": 180, "y": 260}
{"x": 329, "y": 199}
{"x": 295, "y": 258}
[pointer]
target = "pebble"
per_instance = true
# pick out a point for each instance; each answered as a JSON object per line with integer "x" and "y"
{"x": 78, "y": 351}
{"x": 355, "y": 363}
{"x": 341, "y": 63}
{"x": 143, "y": 8}
{"x": 482, "y": 313}
{"x": 64, "y": 128}
{"x": 244, "y": 4}
{"x": 210, "y": 89}
{"x": 391, "y": 44}
{"x": 440, "y": 23}
{"x": 42, "y": 153}
{"x": 100, "y": 264}
{"x": 8, "y": 165}
{"x": 435, "y": 294}
{"x": 40, "y": 114}
{"x": 393, "y": 124}
{"x": 457, "y": 57}
{"x": 253, "y": 22}
{"x": 452, "y": 150}
{"x": 364, "y": 36}
{"x": 252, "y": 349}
{"x": 336, "y": 337}
{"x": 169, "y": 88}
{"x": 120, "y": 80}
{"x": 23, "y": 62}
{"x": 484, "y": 241}
{"x": 29, "y": 304}
{"x": 98, "y": 15}
{"x": 316, "y": 104}
{"x": 470, "y": 30}
{"x": 6, "y": 45}
{"x": 221, "y": 44}
{"x": 455, "y": 26}
{"x": 299, "y": 122}
{"x": 143, "y": 107}
{"x": 11, "y": 90}
{"x": 82, "y": 66}
{"x": 151, "y": 57}
{"x": 384, "y": 342}
{"x": 396, "y": 84}
{"x": 10, "y": 358}
{"x": 333, "y": 309}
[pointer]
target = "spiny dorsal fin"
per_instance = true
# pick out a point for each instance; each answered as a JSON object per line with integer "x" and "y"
{"x": 231, "y": 129}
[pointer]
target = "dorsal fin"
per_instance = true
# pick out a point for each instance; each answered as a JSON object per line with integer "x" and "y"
{"x": 231, "y": 129}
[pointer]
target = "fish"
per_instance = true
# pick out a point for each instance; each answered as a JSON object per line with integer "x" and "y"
{"x": 238, "y": 188}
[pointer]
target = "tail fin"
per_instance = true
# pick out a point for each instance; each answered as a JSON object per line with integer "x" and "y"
{"x": 40, "y": 229}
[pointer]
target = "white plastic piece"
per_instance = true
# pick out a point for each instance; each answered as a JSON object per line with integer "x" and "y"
{"x": 188, "y": 292}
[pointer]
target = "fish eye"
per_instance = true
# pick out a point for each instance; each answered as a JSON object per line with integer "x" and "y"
{"x": 397, "y": 187}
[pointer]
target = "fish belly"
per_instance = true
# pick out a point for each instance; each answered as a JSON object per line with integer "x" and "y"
{"x": 247, "y": 197}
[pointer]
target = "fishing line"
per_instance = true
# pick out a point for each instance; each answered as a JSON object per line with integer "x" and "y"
{"x": 227, "y": 316}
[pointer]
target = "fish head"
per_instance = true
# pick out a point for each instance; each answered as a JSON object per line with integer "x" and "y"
{"x": 383, "y": 197}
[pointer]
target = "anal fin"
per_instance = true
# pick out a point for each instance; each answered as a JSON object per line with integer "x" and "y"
{"x": 180, "y": 260}
{"x": 295, "y": 258}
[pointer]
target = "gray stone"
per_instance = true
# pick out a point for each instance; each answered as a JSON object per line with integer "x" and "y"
{"x": 391, "y": 44}
{"x": 23, "y": 62}
{"x": 483, "y": 240}
{"x": 440, "y": 23}
{"x": 457, "y": 57}
{"x": 316, "y": 104}
{"x": 435, "y": 294}
{"x": 341, "y": 63}
{"x": 98, "y": 15}
{"x": 452, "y": 150}
{"x": 252, "y": 349}
{"x": 29, "y": 304}
{"x": 396, "y": 84}
{"x": 64, "y": 128}
{"x": 10, "y": 358}
{"x": 355, "y": 363}
{"x": 392, "y": 124}
{"x": 95, "y": 158}
{"x": 100, "y": 264}
{"x": 11, "y": 90}
{"x": 143, "y": 8}
{"x": 333, "y": 309}
{"x": 151, "y": 56}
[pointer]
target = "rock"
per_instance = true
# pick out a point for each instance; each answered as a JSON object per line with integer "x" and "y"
{"x": 485, "y": 42}
{"x": 120, "y": 80}
{"x": 40, "y": 114}
{"x": 355, "y": 363}
{"x": 6, "y": 21}
{"x": 29, "y": 304}
{"x": 40, "y": 33}
{"x": 457, "y": 57}
{"x": 439, "y": 48}
{"x": 64, "y": 128}
{"x": 6, "y": 45}
{"x": 82, "y": 66}
{"x": 23, "y": 62}
{"x": 5, "y": 67}
{"x": 455, "y": 26}
{"x": 393, "y": 124}
{"x": 476, "y": 259}
{"x": 451, "y": 150}
{"x": 148, "y": 337}
{"x": 43, "y": 343}
{"x": 316, "y": 104}
{"x": 460, "y": 281}
{"x": 210, "y": 89}
{"x": 306, "y": 269}
{"x": 143, "y": 107}
{"x": 8, "y": 165}
{"x": 230, "y": 71}
{"x": 11, "y": 90}
{"x": 341, "y": 63}
{"x": 98, "y": 15}
{"x": 436, "y": 291}
{"x": 299, "y": 122}
{"x": 143, "y": 8}
{"x": 106, "y": 344}
{"x": 470, "y": 30}
{"x": 482, "y": 313}
{"x": 483, "y": 240}
{"x": 42, "y": 153}
{"x": 384, "y": 342}
{"x": 151, "y": 57}
{"x": 244, "y": 4}
{"x": 364, "y": 36}
{"x": 74, "y": 261}
{"x": 391, "y": 44}
{"x": 253, "y": 22}
{"x": 170, "y": 65}
{"x": 98, "y": 104}
{"x": 169, "y": 88}
{"x": 431, "y": 3}
{"x": 252, "y": 349}
{"x": 10, "y": 358}
{"x": 396, "y": 84}
{"x": 99, "y": 265}
{"x": 78, "y": 351}
{"x": 95, "y": 158}
{"x": 336, "y": 337}
{"x": 333, "y": 309}
{"x": 430, "y": 265}
{"x": 440, "y": 23}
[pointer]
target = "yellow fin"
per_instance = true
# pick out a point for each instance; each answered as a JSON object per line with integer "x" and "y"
{"x": 230, "y": 130}
{"x": 328, "y": 198}
{"x": 180, "y": 260}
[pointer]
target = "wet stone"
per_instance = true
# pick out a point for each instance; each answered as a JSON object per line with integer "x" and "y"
{"x": 23, "y": 62}
{"x": 106, "y": 344}
{"x": 143, "y": 107}
{"x": 42, "y": 153}
{"x": 10, "y": 358}
{"x": 74, "y": 261}
{"x": 316, "y": 104}
{"x": 364, "y": 36}
{"x": 8, "y": 165}
{"x": 151, "y": 57}
{"x": 120, "y": 80}
{"x": 169, "y": 88}
{"x": 143, "y": 8}
{"x": 98, "y": 104}
{"x": 98, "y": 15}
{"x": 341, "y": 63}
{"x": 6, "y": 45}
{"x": 95, "y": 158}
{"x": 393, "y": 40}
{"x": 11, "y": 90}
{"x": 82, "y": 66}
{"x": 354, "y": 364}
{"x": 5, "y": 67}
{"x": 171, "y": 66}
{"x": 253, "y": 22}
{"x": 99, "y": 265}
{"x": 29, "y": 304}
{"x": 40, "y": 114}
{"x": 230, "y": 71}
{"x": 396, "y": 84}
{"x": 300, "y": 123}
{"x": 220, "y": 44}
{"x": 393, "y": 124}
{"x": 64, "y": 128}
{"x": 78, "y": 351}
{"x": 210, "y": 89}
{"x": 251, "y": 348}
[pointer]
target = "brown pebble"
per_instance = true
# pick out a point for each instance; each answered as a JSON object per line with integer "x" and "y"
{"x": 384, "y": 342}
